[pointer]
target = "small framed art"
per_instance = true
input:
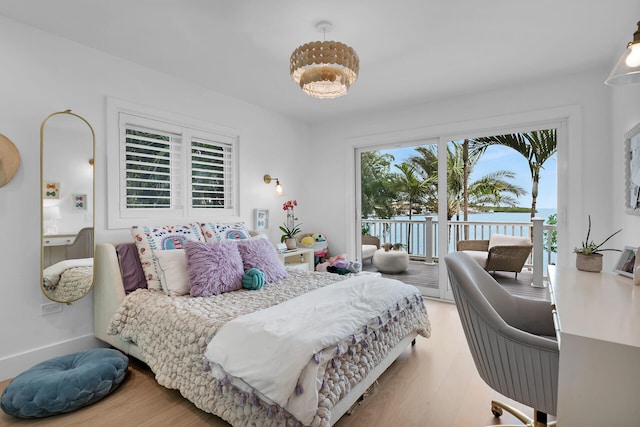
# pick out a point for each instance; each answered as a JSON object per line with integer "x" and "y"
{"x": 79, "y": 202}
{"x": 626, "y": 262}
{"x": 51, "y": 190}
{"x": 260, "y": 219}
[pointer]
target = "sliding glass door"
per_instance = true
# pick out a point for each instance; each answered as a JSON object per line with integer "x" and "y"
{"x": 398, "y": 209}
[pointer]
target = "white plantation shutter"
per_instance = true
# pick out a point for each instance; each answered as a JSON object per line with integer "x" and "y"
{"x": 152, "y": 160}
{"x": 211, "y": 173}
{"x": 172, "y": 171}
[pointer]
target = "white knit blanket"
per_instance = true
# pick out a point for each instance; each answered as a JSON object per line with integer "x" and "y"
{"x": 51, "y": 275}
{"x": 279, "y": 351}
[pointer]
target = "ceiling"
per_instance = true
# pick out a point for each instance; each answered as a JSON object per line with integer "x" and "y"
{"x": 411, "y": 51}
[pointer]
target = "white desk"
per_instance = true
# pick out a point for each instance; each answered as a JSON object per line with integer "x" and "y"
{"x": 598, "y": 322}
{"x": 55, "y": 247}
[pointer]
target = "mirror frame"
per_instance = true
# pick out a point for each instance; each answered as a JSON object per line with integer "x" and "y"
{"x": 631, "y": 144}
{"x": 93, "y": 202}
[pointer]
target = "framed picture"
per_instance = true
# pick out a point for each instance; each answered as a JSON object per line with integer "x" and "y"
{"x": 632, "y": 170}
{"x": 79, "y": 202}
{"x": 51, "y": 190}
{"x": 626, "y": 262}
{"x": 260, "y": 219}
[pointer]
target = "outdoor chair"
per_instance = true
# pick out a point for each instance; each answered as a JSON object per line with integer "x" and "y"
{"x": 499, "y": 253}
{"x": 512, "y": 340}
{"x": 370, "y": 244}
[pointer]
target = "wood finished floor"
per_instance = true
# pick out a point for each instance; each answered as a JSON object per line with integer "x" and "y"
{"x": 433, "y": 384}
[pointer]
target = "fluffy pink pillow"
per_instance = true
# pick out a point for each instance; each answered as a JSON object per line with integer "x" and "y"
{"x": 213, "y": 267}
{"x": 259, "y": 253}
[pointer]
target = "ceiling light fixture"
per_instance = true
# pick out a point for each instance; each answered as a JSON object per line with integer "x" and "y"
{"x": 324, "y": 69}
{"x": 627, "y": 70}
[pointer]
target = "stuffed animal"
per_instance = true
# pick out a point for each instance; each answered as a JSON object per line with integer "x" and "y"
{"x": 319, "y": 237}
{"x": 307, "y": 241}
{"x": 317, "y": 242}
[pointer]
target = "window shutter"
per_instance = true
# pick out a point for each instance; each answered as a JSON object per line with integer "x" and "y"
{"x": 152, "y": 160}
{"x": 211, "y": 174}
{"x": 172, "y": 171}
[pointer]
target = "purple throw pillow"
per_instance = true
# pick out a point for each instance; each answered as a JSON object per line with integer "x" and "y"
{"x": 213, "y": 267}
{"x": 260, "y": 253}
{"x": 130, "y": 267}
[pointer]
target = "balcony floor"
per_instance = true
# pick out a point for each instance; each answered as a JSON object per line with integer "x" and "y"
{"x": 426, "y": 275}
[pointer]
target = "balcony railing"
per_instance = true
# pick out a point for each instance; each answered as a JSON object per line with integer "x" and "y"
{"x": 420, "y": 237}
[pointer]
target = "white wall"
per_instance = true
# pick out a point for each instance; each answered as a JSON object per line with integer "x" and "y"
{"x": 42, "y": 74}
{"x": 587, "y": 162}
{"x": 625, "y": 111}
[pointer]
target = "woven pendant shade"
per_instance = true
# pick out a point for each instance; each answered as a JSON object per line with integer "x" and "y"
{"x": 324, "y": 69}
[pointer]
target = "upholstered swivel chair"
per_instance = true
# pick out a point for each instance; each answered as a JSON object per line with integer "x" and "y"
{"x": 512, "y": 339}
{"x": 82, "y": 246}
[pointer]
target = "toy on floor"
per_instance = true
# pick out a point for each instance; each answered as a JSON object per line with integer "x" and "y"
{"x": 340, "y": 264}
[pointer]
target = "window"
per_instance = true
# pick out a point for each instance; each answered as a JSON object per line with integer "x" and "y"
{"x": 169, "y": 171}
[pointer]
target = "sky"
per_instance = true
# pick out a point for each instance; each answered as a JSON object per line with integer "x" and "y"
{"x": 504, "y": 158}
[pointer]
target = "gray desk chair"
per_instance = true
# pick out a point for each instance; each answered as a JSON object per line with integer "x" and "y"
{"x": 512, "y": 340}
{"x": 82, "y": 246}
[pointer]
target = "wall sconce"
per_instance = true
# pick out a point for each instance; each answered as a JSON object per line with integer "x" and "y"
{"x": 267, "y": 180}
{"x": 627, "y": 69}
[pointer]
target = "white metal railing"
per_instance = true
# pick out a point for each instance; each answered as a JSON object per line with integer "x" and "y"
{"x": 419, "y": 237}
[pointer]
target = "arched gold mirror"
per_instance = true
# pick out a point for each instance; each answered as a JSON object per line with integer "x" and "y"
{"x": 67, "y": 147}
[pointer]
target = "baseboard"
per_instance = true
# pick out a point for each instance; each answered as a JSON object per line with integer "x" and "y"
{"x": 10, "y": 366}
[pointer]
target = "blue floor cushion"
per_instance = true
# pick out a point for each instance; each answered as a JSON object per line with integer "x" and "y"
{"x": 64, "y": 383}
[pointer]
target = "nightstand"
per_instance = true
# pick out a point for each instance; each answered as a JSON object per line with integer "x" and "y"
{"x": 300, "y": 259}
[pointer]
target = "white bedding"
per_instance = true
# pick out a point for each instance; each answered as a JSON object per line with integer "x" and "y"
{"x": 281, "y": 352}
{"x": 51, "y": 274}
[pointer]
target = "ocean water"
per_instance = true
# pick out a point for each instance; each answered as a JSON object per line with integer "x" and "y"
{"x": 493, "y": 216}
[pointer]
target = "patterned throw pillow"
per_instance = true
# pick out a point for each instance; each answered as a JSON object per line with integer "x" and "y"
{"x": 149, "y": 239}
{"x": 214, "y": 232}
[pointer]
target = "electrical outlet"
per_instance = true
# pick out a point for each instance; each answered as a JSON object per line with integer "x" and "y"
{"x": 50, "y": 308}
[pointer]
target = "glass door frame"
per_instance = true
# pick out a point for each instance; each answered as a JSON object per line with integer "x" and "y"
{"x": 566, "y": 119}
{"x": 443, "y": 291}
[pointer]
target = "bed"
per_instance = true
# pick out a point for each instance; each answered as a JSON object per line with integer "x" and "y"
{"x": 341, "y": 370}
{"x": 68, "y": 280}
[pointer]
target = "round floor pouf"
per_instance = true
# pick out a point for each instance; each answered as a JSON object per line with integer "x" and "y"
{"x": 64, "y": 383}
{"x": 390, "y": 261}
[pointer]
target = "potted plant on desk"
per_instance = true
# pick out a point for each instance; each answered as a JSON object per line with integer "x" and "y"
{"x": 589, "y": 256}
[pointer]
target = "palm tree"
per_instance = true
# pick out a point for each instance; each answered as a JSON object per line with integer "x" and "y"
{"x": 413, "y": 189}
{"x": 378, "y": 184}
{"x": 537, "y": 147}
{"x": 492, "y": 189}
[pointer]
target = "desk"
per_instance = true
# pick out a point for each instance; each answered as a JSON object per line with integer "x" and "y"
{"x": 597, "y": 319}
{"x": 55, "y": 247}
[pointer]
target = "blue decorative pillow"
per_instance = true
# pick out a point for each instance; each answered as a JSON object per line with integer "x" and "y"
{"x": 253, "y": 279}
{"x": 64, "y": 383}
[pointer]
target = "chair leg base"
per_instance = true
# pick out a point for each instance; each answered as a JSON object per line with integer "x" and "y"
{"x": 539, "y": 420}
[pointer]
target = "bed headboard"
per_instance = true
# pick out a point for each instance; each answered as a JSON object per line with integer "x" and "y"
{"x": 108, "y": 293}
